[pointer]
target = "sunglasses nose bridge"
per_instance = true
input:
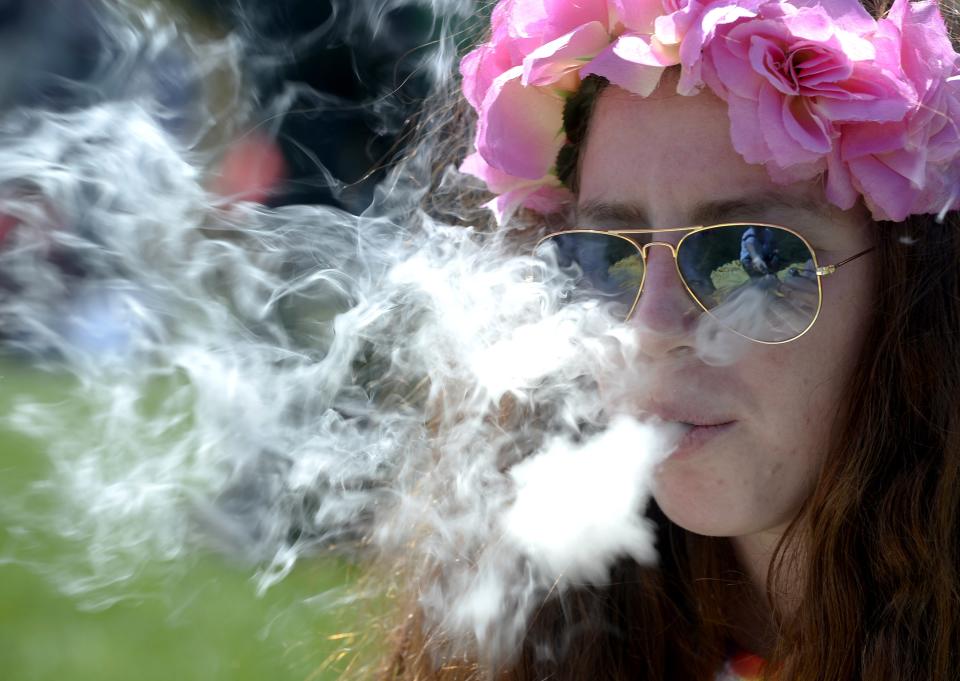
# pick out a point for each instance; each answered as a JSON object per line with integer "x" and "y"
{"x": 645, "y": 247}
{"x": 663, "y": 322}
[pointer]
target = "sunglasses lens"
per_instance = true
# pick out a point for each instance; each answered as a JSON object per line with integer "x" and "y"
{"x": 759, "y": 281}
{"x": 603, "y": 267}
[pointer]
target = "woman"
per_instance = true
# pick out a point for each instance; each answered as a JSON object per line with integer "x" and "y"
{"x": 808, "y": 529}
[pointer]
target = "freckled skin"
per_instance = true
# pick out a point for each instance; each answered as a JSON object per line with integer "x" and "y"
{"x": 667, "y": 153}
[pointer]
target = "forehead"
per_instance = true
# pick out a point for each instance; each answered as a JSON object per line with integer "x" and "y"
{"x": 667, "y": 160}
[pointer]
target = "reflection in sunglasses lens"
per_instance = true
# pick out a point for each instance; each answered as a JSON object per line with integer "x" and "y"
{"x": 759, "y": 281}
{"x": 603, "y": 267}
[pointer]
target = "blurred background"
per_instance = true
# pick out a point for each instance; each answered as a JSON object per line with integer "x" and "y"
{"x": 328, "y": 89}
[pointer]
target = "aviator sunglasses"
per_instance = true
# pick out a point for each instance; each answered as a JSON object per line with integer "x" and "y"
{"x": 759, "y": 280}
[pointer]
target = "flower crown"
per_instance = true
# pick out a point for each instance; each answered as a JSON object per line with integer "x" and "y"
{"x": 814, "y": 88}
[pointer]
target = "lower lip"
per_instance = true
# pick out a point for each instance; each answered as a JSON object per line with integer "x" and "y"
{"x": 698, "y": 437}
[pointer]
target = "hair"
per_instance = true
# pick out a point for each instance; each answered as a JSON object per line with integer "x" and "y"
{"x": 878, "y": 539}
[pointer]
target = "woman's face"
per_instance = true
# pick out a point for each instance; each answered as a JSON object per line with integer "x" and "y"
{"x": 667, "y": 161}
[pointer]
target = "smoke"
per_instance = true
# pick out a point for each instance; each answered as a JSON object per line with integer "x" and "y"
{"x": 277, "y": 381}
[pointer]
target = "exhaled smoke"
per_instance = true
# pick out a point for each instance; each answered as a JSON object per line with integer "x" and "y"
{"x": 274, "y": 381}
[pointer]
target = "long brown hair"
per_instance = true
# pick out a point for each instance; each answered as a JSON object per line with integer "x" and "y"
{"x": 879, "y": 541}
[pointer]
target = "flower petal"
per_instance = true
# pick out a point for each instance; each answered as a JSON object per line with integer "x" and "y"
{"x": 548, "y": 199}
{"x": 734, "y": 71}
{"x": 566, "y": 15}
{"x": 745, "y": 130}
{"x": 520, "y": 128}
{"x": 542, "y": 199}
{"x": 478, "y": 68}
{"x": 887, "y": 193}
{"x": 544, "y": 195}
{"x": 633, "y": 62}
{"x": 496, "y": 180}
{"x": 638, "y": 16}
{"x": 849, "y": 15}
{"x": 859, "y": 140}
{"x": 772, "y": 112}
{"x": 700, "y": 29}
{"x": 910, "y": 163}
{"x": 810, "y": 23}
{"x": 839, "y": 185}
{"x": 550, "y": 62}
{"x": 805, "y": 125}
{"x": 766, "y": 58}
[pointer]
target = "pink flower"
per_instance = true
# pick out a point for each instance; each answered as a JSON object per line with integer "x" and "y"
{"x": 638, "y": 16}
{"x": 550, "y": 19}
{"x": 790, "y": 75}
{"x": 517, "y": 83}
{"x": 550, "y": 63}
{"x": 520, "y": 27}
{"x": 905, "y": 167}
{"x": 811, "y": 86}
{"x": 634, "y": 62}
{"x": 652, "y": 41}
{"x": 519, "y": 135}
{"x": 544, "y": 195}
{"x": 698, "y": 23}
{"x": 520, "y": 130}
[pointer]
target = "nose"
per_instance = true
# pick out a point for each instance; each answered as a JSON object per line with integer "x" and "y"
{"x": 665, "y": 316}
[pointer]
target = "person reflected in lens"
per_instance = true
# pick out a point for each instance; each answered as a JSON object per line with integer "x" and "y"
{"x": 758, "y": 252}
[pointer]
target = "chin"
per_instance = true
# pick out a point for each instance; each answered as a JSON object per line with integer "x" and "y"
{"x": 704, "y": 521}
{"x": 704, "y": 504}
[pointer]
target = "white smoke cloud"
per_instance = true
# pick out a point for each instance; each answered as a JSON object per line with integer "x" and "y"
{"x": 274, "y": 381}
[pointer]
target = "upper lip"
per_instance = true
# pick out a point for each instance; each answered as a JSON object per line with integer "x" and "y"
{"x": 687, "y": 413}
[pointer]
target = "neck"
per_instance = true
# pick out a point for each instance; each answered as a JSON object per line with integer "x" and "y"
{"x": 749, "y": 608}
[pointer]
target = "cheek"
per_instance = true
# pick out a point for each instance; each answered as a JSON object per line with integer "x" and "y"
{"x": 757, "y": 478}
{"x": 796, "y": 390}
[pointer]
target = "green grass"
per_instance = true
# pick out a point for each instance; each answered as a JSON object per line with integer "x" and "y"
{"x": 208, "y": 626}
{"x": 199, "y": 618}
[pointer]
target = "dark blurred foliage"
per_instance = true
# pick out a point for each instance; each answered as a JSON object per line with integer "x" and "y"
{"x": 355, "y": 68}
{"x": 57, "y": 55}
{"x": 368, "y": 58}
{"x": 329, "y": 86}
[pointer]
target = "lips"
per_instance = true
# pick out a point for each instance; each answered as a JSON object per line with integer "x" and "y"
{"x": 703, "y": 425}
{"x": 689, "y": 414}
{"x": 698, "y": 437}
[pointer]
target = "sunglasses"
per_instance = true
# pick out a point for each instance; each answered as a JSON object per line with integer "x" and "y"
{"x": 760, "y": 281}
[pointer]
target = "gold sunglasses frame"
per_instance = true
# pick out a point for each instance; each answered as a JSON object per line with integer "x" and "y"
{"x": 625, "y": 234}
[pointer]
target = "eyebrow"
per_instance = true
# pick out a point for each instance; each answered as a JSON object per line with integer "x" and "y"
{"x": 704, "y": 213}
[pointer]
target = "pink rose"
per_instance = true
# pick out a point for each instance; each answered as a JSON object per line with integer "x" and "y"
{"x": 518, "y": 28}
{"x": 634, "y": 62}
{"x": 638, "y": 16}
{"x": 516, "y": 82}
{"x": 789, "y": 76}
{"x": 695, "y": 25}
{"x": 905, "y": 167}
{"x": 552, "y": 62}
{"x": 520, "y": 130}
{"x": 545, "y": 195}
{"x": 652, "y": 40}
{"x": 549, "y": 19}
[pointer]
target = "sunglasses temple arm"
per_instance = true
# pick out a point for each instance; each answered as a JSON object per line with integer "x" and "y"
{"x": 830, "y": 269}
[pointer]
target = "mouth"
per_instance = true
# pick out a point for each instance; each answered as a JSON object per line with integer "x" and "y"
{"x": 699, "y": 427}
{"x": 698, "y": 436}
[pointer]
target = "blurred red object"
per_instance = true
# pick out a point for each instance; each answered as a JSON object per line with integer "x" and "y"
{"x": 7, "y": 223}
{"x": 252, "y": 167}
